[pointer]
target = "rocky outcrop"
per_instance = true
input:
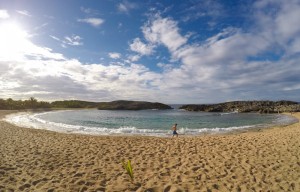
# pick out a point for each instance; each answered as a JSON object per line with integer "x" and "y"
{"x": 247, "y": 106}
{"x": 131, "y": 105}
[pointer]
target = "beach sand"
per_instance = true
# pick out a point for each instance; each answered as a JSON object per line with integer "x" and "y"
{"x": 38, "y": 160}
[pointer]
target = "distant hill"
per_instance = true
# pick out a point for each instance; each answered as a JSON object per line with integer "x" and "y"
{"x": 74, "y": 104}
{"x": 247, "y": 106}
{"x": 32, "y": 103}
{"x": 131, "y": 105}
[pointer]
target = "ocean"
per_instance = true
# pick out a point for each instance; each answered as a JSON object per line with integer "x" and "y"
{"x": 145, "y": 122}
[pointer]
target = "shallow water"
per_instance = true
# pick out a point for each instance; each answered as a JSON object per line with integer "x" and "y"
{"x": 145, "y": 122}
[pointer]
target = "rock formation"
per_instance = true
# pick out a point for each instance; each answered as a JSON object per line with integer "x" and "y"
{"x": 247, "y": 106}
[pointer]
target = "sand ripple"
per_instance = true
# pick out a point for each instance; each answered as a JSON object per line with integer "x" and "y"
{"x": 37, "y": 160}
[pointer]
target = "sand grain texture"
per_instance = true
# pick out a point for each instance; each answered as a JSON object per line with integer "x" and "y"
{"x": 37, "y": 160}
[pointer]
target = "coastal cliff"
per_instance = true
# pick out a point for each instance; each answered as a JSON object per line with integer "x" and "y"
{"x": 131, "y": 105}
{"x": 247, "y": 106}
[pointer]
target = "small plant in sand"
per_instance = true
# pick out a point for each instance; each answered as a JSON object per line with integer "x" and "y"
{"x": 127, "y": 166}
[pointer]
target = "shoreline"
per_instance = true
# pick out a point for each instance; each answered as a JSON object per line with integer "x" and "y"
{"x": 41, "y": 160}
{"x": 204, "y": 132}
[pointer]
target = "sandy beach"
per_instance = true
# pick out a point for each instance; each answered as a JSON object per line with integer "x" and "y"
{"x": 38, "y": 160}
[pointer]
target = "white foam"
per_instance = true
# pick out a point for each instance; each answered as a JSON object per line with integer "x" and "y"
{"x": 285, "y": 120}
{"x": 213, "y": 130}
{"x": 229, "y": 113}
{"x": 32, "y": 120}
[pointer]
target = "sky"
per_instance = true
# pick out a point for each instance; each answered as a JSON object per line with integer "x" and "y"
{"x": 170, "y": 51}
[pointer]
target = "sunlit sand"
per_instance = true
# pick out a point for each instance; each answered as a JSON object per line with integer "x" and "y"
{"x": 261, "y": 160}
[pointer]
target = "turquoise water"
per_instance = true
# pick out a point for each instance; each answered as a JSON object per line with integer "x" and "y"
{"x": 145, "y": 122}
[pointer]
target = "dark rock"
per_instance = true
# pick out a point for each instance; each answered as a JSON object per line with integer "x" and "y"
{"x": 247, "y": 106}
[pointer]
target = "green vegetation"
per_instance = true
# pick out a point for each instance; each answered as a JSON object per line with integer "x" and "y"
{"x": 74, "y": 104}
{"x": 32, "y": 103}
{"x": 131, "y": 105}
{"x": 127, "y": 166}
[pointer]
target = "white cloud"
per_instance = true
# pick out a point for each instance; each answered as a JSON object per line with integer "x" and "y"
{"x": 221, "y": 63}
{"x": 164, "y": 31}
{"x": 80, "y": 81}
{"x": 165, "y": 66}
{"x": 114, "y": 55}
{"x": 295, "y": 46}
{"x": 39, "y": 71}
{"x": 122, "y": 8}
{"x": 134, "y": 58}
{"x": 24, "y": 12}
{"x": 226, "y": 66}
{"x": 138, "y": 46}
{"x": 287, "y": 22}
{"x": 95, "y": 22}
{"x": 54, "y": 37}
{"x": 73, "y": 40}
{"x": 89, "y": 11}
{"x": 281, "y": 27}
{"x": 41, "y": 26}
{"x": 203, "y": 8}
{"x": 85, "y": 10}
{"x": 4, "y": 14}
{"x": 126, "y": 6}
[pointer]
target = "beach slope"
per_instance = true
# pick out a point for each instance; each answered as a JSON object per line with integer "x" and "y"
{"x": 38, "y": 160}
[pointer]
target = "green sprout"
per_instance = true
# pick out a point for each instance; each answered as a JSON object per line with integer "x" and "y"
{"x": 127, "y": 166}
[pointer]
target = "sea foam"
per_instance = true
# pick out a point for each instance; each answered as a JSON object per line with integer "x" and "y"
{"x": 97, "y": 125}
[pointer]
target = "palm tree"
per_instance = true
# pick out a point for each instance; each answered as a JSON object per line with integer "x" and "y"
{"x": 33, "y": 102}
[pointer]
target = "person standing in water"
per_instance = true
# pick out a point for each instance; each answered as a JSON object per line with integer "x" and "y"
{"x": 174, "y": 129}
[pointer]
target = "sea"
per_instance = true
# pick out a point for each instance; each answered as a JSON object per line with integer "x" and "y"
{"x": 145, "y": 122}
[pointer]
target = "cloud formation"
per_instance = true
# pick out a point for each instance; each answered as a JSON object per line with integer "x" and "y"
{"x": 24, "y": 12}
{"x": 4, "y": 14}
{"x": 114, "y": 55}
{"x": 126, "y": 6}
{"x": 95, "y": 22}
{"x": 164, "y": 31}
{"x": 73, "y": 40}
{"x": 229, "y": 62}
{"x": 138, "y": 46}
{"x": 261, "y": 62}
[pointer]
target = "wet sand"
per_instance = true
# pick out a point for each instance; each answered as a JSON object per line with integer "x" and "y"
{"x": 38, "y": 160}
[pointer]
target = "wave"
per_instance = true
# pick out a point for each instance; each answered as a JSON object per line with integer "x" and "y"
{"x": 215, "y": 130}
{"x": 31, "y": 120}
{"x": 229, "y": 113}
{"x": 285, "y": 120}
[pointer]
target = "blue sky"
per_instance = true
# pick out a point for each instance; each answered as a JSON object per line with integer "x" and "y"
{"x": 192, "y": 51}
